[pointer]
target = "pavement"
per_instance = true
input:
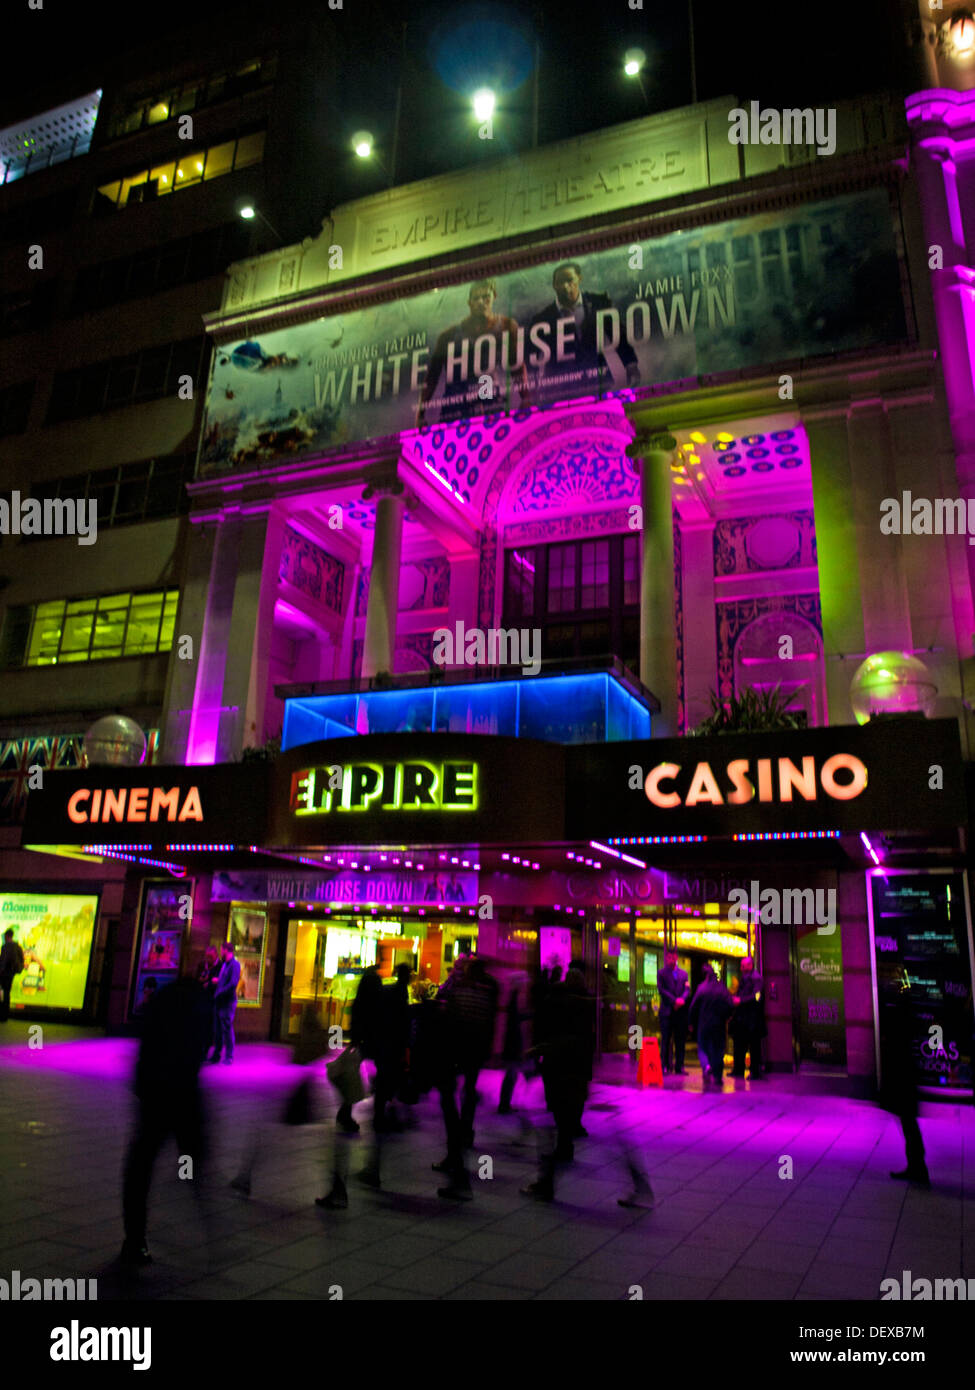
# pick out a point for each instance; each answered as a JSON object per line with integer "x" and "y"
{"x": 763, "y": 1191}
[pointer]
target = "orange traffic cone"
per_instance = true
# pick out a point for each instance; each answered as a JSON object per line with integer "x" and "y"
{"x": 650, "y": 1072}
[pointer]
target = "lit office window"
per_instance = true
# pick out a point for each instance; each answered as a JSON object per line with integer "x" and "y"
{"x": 145, "y": 184}
{"x": 94, "y": 629}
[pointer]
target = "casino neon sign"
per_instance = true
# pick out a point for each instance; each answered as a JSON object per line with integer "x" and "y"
{"x": 408, "y": 786}
{"x": 776, "y": 778}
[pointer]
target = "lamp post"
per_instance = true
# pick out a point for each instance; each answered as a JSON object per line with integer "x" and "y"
{"x": 634, "y": 61}
{"x": 248, "y": 212}
{"x": 365, "y": 148}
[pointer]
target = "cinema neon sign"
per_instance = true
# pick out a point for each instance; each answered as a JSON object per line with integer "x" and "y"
{"x": 87, "y": 806}
{"x": 841, "y": 777}
{"x": 408, "y": 786}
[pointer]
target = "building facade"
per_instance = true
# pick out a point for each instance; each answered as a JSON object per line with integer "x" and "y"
{"x": 505, "y": 482}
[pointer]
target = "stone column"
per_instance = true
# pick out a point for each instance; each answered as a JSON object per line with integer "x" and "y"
{"x": 211, "y": 656}
{"x": 658, "y": 627}
{"x": 933, "y": 163}
{"x": 840, "y": 590}
{"x": 698, "y": 607}
{"x": 381, "y": 613}
{"x": 886, "y": 609}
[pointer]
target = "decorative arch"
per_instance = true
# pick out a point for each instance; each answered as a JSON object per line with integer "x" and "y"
{"x": 565, "y": 433}
{"x": 755, "y": 652}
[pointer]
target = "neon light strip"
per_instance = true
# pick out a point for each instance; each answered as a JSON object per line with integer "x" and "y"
{"x": 792, "y": 835}
{"x": 177, "y": 870}
{"x": 658, "y": 839}
{"x": 869, "y": 848}
{"x": 628, "y": 858}
{"x": 443, "y": 483}
{"x": 201, "y": 849}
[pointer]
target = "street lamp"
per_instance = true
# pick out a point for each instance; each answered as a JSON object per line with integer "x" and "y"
{"x": 248, "y": 212}
{"x": 484, "y": 103}
{"x": 365, "y": 147}
{"x": 634, "y": 61}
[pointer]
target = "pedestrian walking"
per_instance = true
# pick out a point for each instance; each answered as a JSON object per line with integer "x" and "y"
{"x": 566, "y": 1050}
{"x": 709, "y": 1012}
{"x": 675, "y": 993}
{"x": 175, "y": 1036}
{"x": 469, "y": 999}
{"x": 207, "y": 974}
{"x": 225, "y": 1004}
{"x": 898, "y": 1088}
{"x": 516, "y": 1021}
{"x": 748, "y": 1026}
{"x": 11, "y": 965}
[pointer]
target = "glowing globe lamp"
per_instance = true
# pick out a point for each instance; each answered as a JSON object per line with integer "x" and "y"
{"x": 115, "y": 741}
{"x": 891, "y": 683}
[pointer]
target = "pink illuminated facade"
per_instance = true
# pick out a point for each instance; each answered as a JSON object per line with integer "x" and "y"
{"x": 787, "y": 354}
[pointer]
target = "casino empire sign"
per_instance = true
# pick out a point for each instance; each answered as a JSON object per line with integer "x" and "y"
{"x": 407, "y": 786}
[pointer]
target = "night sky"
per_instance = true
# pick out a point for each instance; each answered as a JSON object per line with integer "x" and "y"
{"x": 786, "y": 56}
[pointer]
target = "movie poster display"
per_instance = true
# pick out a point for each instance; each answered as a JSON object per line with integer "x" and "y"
{"x": 822, "y": 1021}
{"x": 921, "y": 938}
{"x": 247, "y": 930}
{"x": 817, "y": 278}
{"x": 55, "y": 932}
{"x": 166, "y": 915}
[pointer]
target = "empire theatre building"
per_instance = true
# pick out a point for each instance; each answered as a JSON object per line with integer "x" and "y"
{"x": 524, "y": 497}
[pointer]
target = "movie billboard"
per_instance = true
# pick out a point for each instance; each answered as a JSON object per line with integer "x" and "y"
{"x": 55, "y": 933}
{"x": 818, "y": 278}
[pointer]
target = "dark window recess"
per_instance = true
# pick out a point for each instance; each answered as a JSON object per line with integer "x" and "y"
{"x": 23, "y": 311}
{"x": 14, "y": 636}
{"x": 15, "y": 407}
{"x": 149, "y": 490}
{"x": 163, "y": 267}
{"x": 137, "y": 377}
{"x": 36, "y": 218}
{"x": 584, "y": 596}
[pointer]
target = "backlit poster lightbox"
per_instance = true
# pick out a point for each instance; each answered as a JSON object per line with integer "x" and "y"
{"x": 55, "y": 933}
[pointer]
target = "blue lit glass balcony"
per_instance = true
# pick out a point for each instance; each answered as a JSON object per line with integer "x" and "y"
{"x": 560, "y": 706}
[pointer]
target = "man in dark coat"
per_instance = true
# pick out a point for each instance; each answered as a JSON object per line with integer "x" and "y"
{"x": 709, "y": 1013}
{"x": 898, "y": 1091}
{"x": 225, "y": 1004}
{"x": 675, "y": 993}
{"x": 748, "y": 1026}
{"x": 581, "y": 342}
{"x": 567, "y": 1044}
{"x": 469, "y": 998}
{"x": 11, "y": 965}
{"x": 175, "y": 1026}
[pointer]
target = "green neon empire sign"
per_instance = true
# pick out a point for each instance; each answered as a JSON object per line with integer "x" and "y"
{"x": 406, "y": 786}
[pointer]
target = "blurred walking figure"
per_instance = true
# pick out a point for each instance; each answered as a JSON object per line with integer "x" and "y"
{"x": 566, "y": 1048}
{"x": 709, "y": 1013}
{"x": 898, "y": 1087}
{"x": 310, "y": 1045}
{"x": 675, "y": 993}
{"x": 469, "y": 998}
{"x": 208, "y": 973}
{"x": 11, "y": 965}
{"x": 516, "y": 1021}
{"x": 175, "y": 1035}
{"x": 225, "y": 1004}
{"x": 748, "y": 1026}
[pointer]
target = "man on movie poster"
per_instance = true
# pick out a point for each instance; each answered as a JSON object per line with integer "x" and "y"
{"x": 457, "y": 355}
{"x": 581, "y": 352}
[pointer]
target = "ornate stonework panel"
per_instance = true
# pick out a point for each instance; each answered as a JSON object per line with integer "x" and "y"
{"x": 422, "y": 584}
{"x": 731, "y": 619}
{"x": 753, "y": 544}
{"x": 311, "y": 570}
